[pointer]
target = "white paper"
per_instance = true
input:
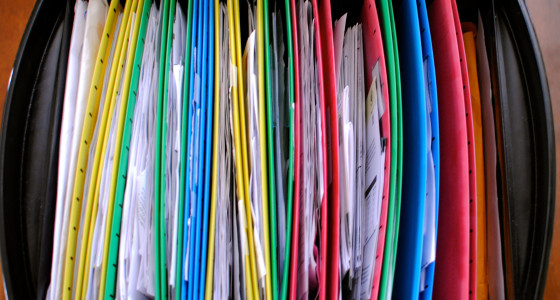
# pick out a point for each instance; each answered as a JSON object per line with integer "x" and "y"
{"x": 70, "y": 92}
{"x": 375, "y": 160}
{"x": 135, "y": 262}
{"x": 429, "y": 230}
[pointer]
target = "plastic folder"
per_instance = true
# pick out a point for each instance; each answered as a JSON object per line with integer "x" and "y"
{"x": 191, "y": 78}
{"x": 125, "y": 92}
{"x": 207, "y": 289}
{"x": 283, "y": 183}
{"x": 195, "y": 99}
{"x": 324, "y": 223}
{"x": 434, "y": 140}
{"x": 292, "y": 285}
{"x": 452, "y": 267}
{"x": 388, "y": 28}
{"x": 472, "y": 154}
{"x": 469, "y": 34}
{"x": 167, "y": 11}
{"x": 208, "y": 146}
{"x": 322, "y": 228}
{"x": 292, "y": 276}
{"x": 87, "y": 227}
{"x": 135, "y": 59}
{"x": 373, "y": 54}
{"x": 87, "y": 132}
{"x": 330, "y": 106}
{"x": 271, "y": 258}
{"x": 240, "y": 142}
{"x": 265, "y": 132}
{"x": 183, "y": 205}
{"x": 200, "y": 156}
{"x": 407, "y": 273}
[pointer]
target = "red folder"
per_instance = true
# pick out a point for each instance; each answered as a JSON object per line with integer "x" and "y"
{"x": 471, "y": 150}
{"x": 373, "y": 52}
{"x": 451, "y": 280}
{"x": 322, "y": 262}
{"x": 297, "y": 158}
{"x": 329, "y": 77}
{"x": 324, "y": 203}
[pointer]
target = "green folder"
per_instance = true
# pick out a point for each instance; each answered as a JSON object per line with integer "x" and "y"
{"x": 291, "y": 150}
{"x": 123, "y": 162}
{"x": 387, "y": 21}
{"x": 270, "y": 153}
{"x": 167, "y": 13}
{"x": 183, "y": 162}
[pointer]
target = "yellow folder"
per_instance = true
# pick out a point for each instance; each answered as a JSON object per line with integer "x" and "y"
{"x": 87, "y": 132}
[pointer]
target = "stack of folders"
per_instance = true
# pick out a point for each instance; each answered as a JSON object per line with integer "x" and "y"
{"x": 256, "y": 149}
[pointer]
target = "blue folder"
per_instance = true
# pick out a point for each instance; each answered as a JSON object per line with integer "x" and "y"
{"x": 428, "y": 57}
{"x": 407, "y": 274}
{"x": 188, "y": 217}
{"x": 198, "y": 161}
{"x": 208, "y": 146}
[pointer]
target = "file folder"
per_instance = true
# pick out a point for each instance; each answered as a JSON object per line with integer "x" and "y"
{"x": 87, "y": 131}
{"x": 195, "y": 99}
{"x": 191, "y": 79}
{"x": 201, "y": 156}
{"x": 469, "y": 35}
{"x": 86, "y": 224}
{"x": 289, "y": 290}
{"x": 136, "y": 49}
{"x": 103, "y": 150}
{"x": 325, "y": 221}
{"x": 184, "y": 192}
{"x": 209, "y": 281}
{"x": 331, "y": 117}
{"x": 322, "y": 227}
{"x": 292, "y": 171}
{"x": 265, "y": 137}
{"x": 452, "y": 267}
{"x": 65, "y": 144}
{"x": 387, "y": 22}
{"x": 407, "y": 273}
{"x": 125, "y": 92}
{"x": 284, "y": 186}
{"x": 432, "y": 97}
{"x": 240, "y": 141}
{"x": 471, "y": 151}
{"x": 167, "y": 9}
{"x": 208, "y": 146}
{"x": 271, "y": 252}
{"x": 373, "y": 54}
